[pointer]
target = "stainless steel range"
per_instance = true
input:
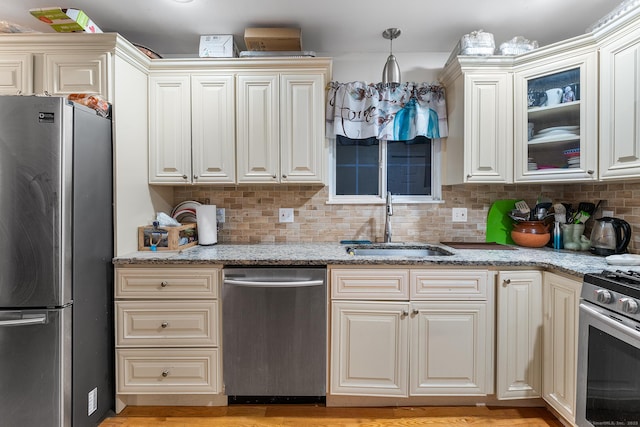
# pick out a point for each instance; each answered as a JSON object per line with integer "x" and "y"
{"x": 608, "y": 392}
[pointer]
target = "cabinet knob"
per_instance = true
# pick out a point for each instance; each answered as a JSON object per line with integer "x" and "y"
{"x": 164, "y": 324}
{"x": 590, "y": 171}
{"x": 184, "y": 176}
{"x": 165, "y": 373}
{"x": 405, "y": 313}
{"x": 415, "y": 312}
{"x": 469, "y": 176}
{"x": 505, "y": 282}
{"x": 273, "y": 176}
{"x": 195, "y": 176}
{"x": 284, "y": 176}
{"x": 164, "y": 283}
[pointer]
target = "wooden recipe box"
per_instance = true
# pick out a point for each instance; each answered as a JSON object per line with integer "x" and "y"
{"x": 167, "y": 238}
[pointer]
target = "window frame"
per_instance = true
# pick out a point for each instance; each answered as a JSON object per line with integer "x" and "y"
{"x": 436, "y": 181}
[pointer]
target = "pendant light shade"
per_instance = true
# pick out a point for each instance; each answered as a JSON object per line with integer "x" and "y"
{"x": 391, "y": 70}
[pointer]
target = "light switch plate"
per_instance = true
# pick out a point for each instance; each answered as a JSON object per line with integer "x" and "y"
{"x": 286, "y": 215}
{"x": 220, "y": 215}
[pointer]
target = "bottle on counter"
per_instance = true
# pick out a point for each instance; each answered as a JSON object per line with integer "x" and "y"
{"x": 557, "y": 236}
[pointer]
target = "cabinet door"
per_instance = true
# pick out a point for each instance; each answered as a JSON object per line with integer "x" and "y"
{"x": 519, "y": 334}
{"x": 369, "y": 348}
{"x": 169, "y": 129}
{"x": 16, "y": 74}
{"x": 258, "y": 134}
{"x": 451, "y": 348}
{"x": 488, "y": 133}
{"x": 302, "y": 128}
{"x": 556, "y": 118}
{"x": 77, "y": 73}
{"x": 559, "y": 362}
{"x": 213, "y": 129}
{"x": 620, "y": 108}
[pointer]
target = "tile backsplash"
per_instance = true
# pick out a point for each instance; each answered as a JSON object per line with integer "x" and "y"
{"x": 252, "y": 211}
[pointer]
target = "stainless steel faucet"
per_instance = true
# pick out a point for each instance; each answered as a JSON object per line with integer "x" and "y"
{"x": 387, "y": 221}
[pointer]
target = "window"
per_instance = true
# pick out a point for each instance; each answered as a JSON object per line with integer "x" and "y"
{"x": 365, "y": 169}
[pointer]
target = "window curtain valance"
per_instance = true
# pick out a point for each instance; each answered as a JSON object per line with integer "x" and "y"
{"x": 392, "y": 112}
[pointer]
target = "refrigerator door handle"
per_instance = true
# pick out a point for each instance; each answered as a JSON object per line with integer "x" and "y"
{"x": 35, "y": 320}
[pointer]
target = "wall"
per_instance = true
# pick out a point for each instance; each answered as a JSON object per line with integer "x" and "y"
{"x": 252, "y": 211}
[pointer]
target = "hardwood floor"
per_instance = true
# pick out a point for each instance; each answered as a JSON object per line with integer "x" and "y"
{"x": 316, "y": 415}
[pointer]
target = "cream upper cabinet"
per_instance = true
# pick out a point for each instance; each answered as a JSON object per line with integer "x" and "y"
{"x": 191, "y": 129}
{"x": 213, "y": 157}
{"x": 66, "y": 73}
{"x": 280, "y": 128}
{"x": 258, "y": 130}
{"x": 479, "y": 147}
{"x": 620, "y": 104}
{"x": 56, "y": 73}
{"x": 169, "y": 129}
{"x": 16, "y": 73}
{"x": 519, "y": 334}
{"x": 556, "y": 116}
{"x": 560, "y": 343}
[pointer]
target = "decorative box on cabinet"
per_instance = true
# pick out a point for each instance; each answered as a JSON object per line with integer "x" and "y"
{"x": 439, "y": 343}
{"x": 167, "y": 325}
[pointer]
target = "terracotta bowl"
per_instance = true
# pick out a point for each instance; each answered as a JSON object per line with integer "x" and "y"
{"x": 530, "y": 240}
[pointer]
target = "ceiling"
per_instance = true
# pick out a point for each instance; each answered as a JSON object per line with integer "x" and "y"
{"x": 329, "y": 27}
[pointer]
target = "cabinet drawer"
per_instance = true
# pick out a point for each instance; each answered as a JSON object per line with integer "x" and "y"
{"x": 429, "y": 284}
{"x": 158, "y": 371}
{"x": 370, "y": 283}
{"x": 174, "y": 283}
{"x": 167, "y": 323}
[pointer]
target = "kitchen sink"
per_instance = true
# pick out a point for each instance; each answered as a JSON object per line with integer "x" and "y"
{"x": 402, "y": 250}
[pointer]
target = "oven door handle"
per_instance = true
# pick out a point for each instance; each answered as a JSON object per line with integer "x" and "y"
{"x": 274, "y": 284}
{"x": 619, "y": 326}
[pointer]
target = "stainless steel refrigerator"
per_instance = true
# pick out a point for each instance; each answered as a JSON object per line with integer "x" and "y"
{"x": 56, "y": 275}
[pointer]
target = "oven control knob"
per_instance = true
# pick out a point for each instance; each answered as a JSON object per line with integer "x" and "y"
{"x": 629, "y": 305}
{"x": 603, "y": 296}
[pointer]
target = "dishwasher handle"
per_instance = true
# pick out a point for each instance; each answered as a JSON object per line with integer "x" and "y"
{"x": 274, "y": 284}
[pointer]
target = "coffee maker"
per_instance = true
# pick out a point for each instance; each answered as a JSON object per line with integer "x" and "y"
{"x": 610, "y": 236}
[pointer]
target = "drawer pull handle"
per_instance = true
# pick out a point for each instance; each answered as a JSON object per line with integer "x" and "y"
{"x": 164, "y": 283}
{"x": 164, "y": 324}
{"x": 165, "y": 373}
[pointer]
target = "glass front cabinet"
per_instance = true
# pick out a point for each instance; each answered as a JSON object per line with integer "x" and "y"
{"x": 556, "y": 121}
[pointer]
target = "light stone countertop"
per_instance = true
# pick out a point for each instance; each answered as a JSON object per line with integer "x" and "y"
{"x": 321, "y": 254}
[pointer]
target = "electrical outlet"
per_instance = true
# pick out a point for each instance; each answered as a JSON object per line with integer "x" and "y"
{"x": 286, "y": 215}
{"x": 607, "y": 213}
{"x": 459, "y": 214}
{"x": 220, "y": 215}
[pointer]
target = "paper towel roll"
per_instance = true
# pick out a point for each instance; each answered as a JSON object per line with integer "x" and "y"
{"x": 207, "y": 227}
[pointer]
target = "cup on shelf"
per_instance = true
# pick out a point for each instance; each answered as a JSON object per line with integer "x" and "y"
{"x": 554, "y": 96}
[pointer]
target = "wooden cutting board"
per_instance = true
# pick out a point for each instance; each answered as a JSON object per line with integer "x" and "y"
{"x": 479, "y": 245}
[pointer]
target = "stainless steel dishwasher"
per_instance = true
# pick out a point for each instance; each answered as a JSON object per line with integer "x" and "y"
{"x": 274, "y": 323}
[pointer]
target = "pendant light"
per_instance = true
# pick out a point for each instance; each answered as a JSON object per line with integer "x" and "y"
{"x": 391, "y": 70}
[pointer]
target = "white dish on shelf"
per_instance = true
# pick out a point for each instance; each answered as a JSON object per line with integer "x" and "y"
{"x": 623, "y": 259}
{"x": 557, "y": 128}
{"x": 553, "y": 138}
